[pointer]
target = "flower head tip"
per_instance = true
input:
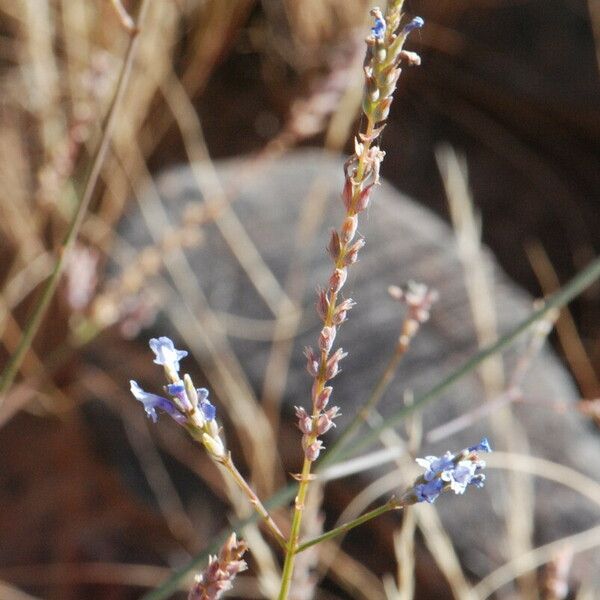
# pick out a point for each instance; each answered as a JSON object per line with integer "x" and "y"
{"x": 166, "y": 353}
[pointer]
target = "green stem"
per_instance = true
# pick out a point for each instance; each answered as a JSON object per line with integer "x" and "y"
{"x": 43, "y": 303}
{"x": 376, "y": 512}
{"x": 254, "y": 500}
{"x": 290, "y": 556}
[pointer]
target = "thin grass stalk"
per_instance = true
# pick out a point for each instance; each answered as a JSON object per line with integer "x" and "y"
{"x": 91, "y": 179}
{"x": 365, "y": 518}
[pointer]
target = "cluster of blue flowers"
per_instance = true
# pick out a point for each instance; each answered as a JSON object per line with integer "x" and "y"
{"x": 180, "y": 406}
{"x": 451, "y": 472}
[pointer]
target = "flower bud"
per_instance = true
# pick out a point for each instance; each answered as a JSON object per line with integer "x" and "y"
{"x": 312, "y": 364}
{"x": 332, "y": 368}
{"x": 335, "y": 246}
{"x": 322, "y": 304}
{"x": 324, "y": 424}
{"x": 382, "y": 109}
{"x": 304, "y": 420}
{"x": 213, "y": 445}
{"x": 337, "y": 279}
{"x": 340, "y": 314}
{"x": 347, "y": 193}
{"x": 363, "y": 199}
{"x": 312, "y": 452}
{"x": 326, "y": 339}
{"x": 352, "y": 253}
{"x": 349, "y": 228}
{"x": 323, "y": 398}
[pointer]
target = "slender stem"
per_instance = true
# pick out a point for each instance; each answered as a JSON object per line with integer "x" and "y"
{"x": 290, "y": 556}
{"x": 43, "y": 303}
{"x": 254, "y": 501}
{"x": 376, "y": 512}
{"x": 339, "y": 263}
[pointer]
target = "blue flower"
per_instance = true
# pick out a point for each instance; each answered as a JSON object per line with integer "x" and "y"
{"x": 454, "y": 472}
{"x": 152, "y": 401}
{"x": 483, "y": 446}
{"x": 177, "y": 390}
{"x": 428, "y": 492}
{"x": 378, "y": 30}
{"x": 416, "y": 23}
{"x": 166, "y": 354}
{"x": 460, "y": 476}
{"x": 434, "y": 466}
{"x": 208, "y": 410}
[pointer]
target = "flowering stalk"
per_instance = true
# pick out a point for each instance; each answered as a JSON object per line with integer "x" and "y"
{"x": 221, "y": 571}
{"x": 190, "y": 407}
{"x": 384, "y": 53}
{"x": 442, "y": 474}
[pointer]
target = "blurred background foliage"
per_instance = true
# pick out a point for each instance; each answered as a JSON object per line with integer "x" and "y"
{"x": 512, "y": 84}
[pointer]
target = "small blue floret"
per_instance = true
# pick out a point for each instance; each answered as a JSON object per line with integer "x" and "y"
{"x": 428, "y": 492}
{"x": 483, "y": 446}
{"x": 152, "y": 401}
{"x": 166, "y": 353}
{"x": 208, "y": 410}
{"x": 378, "y": 30}
{"x": 416, "y": 23}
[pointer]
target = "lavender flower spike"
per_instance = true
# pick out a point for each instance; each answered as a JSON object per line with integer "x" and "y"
{"x": 166, "y": 353}
{"x": 449, "y": 472}
{"x": 152, "y": 401}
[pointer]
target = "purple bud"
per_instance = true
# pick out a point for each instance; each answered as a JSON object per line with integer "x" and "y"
{"x": 326, "y": 339}
{"x": 312, "y": 452}
{"x": 352, "y": 252}
{"x": 363, "y": 198}
{"x": 332, "y": 367}
{"x": 324, "y": 424}
{"x": 322, "y": 304}
{"x": 323, "y": 398}
{"x": 340, "y": 314}
{"x": 349, "y": 228}
{"x": 304, "y": 420}
{"x": 337, "y": 279}
{"x": 416, "y": 23}
{"x": 334, "y": 246}
{"x": 347, "y": 193}
{"x": 312, "y": 364}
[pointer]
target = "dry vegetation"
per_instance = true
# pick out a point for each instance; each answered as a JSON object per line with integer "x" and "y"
{"x": 77, "y": 522}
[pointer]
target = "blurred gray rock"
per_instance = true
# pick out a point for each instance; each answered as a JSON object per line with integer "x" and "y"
{"x": 404, "y": 241}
